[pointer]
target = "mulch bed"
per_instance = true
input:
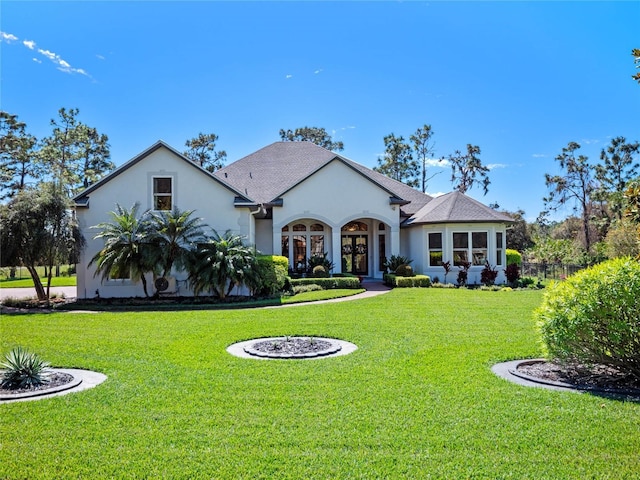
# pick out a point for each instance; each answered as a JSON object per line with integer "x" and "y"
{"x": 56, "y": 379}
{"x": 585, "y": 377}
{"x": 292, "y": 346}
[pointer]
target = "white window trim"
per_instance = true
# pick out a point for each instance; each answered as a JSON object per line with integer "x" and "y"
{"x": 174, "y": 197}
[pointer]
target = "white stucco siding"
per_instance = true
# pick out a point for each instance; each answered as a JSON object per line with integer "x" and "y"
{"x": 191, "y": 190}
{"x": 264, "y": 236}
{"x": 336, "y": 194}
{"x": 411, "y": 245}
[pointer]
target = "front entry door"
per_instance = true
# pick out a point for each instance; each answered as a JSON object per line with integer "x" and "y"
{"x": 355, "y": 254}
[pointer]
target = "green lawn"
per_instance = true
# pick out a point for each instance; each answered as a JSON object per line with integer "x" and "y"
{"x": 416, "y": 400}
{"x": 28, "y": 282}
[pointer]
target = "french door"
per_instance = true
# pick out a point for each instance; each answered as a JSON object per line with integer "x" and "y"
{"x": 355, "y": 254}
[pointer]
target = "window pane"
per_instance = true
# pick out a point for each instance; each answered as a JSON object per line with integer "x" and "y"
{"x": 299, "y": 227}
{"x": 316, "y": 227}
{"x": 479, "y": 256}
{"x": 299, "y": 251}
{"x": 435, "y": 258}
{"x": 499, "y": 239}
{"x": 435, "y": 241}
{"x": 285, "y": 246}
{"x": 460, "y": 256}
{"x": 317, "y": 245}
{"x": 461, "y": 240}
{"x": 162, "y": 202}
{"x": 162, "y": 185}
{"x": 285, "y": 228}
{"x": 479, "y": 239}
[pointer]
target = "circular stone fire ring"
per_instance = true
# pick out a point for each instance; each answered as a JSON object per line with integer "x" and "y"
{"x": 291, "y": 348}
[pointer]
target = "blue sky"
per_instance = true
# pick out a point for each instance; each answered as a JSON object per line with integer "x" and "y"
{"x": 518, "y": 79}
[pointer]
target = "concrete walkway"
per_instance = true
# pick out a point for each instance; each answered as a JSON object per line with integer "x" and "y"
{"x": 69, "y": 292}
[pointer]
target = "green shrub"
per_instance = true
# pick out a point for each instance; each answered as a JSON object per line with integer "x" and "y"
{"x": 319, "y": 271}
{"x": 306, "y": 288}
{"x": 272, "y": 274}
{"x": 23, "y": 369}
{"x": 407, "y": 282}
{"x": 513, "y": 256}
{"x": 328, "y": 283}
{"x": 404, "y": 270}
{"x": 395, "y": 261}
{"x": 594, "y": 317}
{"x": 320, "y": 260}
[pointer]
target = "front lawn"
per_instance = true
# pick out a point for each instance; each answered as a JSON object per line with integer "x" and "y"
{"x": 28, "y": 282}
{"x": 416, "y": 400}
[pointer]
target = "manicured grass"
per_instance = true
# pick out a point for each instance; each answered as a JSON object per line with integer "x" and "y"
{"x": 416, "y": 400}
{"x": 28, "y": 282}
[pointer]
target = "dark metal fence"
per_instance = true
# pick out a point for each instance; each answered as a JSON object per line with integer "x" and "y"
{"x": 549, "y": 271}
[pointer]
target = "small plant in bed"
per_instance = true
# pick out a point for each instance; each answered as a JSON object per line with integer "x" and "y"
{"x": 23, "y": 370}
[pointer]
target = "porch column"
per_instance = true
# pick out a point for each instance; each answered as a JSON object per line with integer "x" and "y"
{"x": 395, "y": 240}
{"x": 336, "y": 249}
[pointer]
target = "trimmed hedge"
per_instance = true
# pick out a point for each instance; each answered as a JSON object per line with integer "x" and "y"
{"x": 594, "y": 316}
{"x": 397, "y": 281}
{"x": 514, "y": 256}
{"x": 328, "y": 283}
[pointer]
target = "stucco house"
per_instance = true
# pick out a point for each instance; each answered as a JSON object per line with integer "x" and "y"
{"x": 298, "y": 200}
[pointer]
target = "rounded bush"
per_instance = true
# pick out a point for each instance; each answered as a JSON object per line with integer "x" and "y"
{"x": 404, "y": 270}
{"x": 320, "y": 272}
{"x": 594, "y": 317}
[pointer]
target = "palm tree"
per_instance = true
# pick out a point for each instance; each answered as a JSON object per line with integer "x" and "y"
{"x": 127, "y": 252}
{"x": 175, "y": 235}
{"x": 220, "y": 264}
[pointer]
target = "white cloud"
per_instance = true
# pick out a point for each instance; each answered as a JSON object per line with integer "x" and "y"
{"x": 437, "y": 162}
{"x": 8, "y": 37}
{"x": 50, "y": 55}
{"x": 436, "y": 194}
{"x": 288, "y": 77}
{"x": 100, "y": 57}
{"x": 539, "y": 155}
{"x": 317, "y": 71}
{"x": 63, "y": 65}
{"x": 493, "y": 166}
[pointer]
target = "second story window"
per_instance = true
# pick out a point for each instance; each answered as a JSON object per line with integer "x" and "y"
{"x": 162, "y": 193}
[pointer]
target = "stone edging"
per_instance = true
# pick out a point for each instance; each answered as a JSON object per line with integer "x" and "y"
{"x": 82, "y": 380}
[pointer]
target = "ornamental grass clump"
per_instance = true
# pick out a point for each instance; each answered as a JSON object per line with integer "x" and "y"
{"x": 594, "y": 317}
{"x": 23, "y": 369}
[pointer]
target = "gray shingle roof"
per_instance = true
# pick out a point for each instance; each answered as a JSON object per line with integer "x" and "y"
{"x": 456, "y": 207}
{"x": 275, "y": 169}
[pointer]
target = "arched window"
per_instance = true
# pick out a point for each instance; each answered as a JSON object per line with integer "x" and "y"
{"x": 355, "y": 227}
{"x": 301, "y": 242}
